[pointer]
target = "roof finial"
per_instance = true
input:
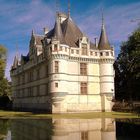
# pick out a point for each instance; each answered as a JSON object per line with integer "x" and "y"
{"x": 57, "y": 6}
{"x": 17, "y": 53}
{"x": 33, "y": 32}
{"x": 102, "y": 19}
{"x": 68, "y": 8}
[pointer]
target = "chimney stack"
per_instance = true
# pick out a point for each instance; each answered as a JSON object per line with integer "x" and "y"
{"x": 96, "y": 41}
{"x": 45, "y": 30}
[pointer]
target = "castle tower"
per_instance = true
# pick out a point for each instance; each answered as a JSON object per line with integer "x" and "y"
{"x": 106, "y": 70}
{"x": 57, "y": 68}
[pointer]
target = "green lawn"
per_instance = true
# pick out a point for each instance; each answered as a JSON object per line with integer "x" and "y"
{"x": 24, "y": 115}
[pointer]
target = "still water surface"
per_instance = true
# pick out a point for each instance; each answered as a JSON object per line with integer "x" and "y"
{"x": 70, "y": 129}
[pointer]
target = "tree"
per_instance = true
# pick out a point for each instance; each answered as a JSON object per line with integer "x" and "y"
{"x": 2, "y": 61}
{"x": 127, "y": 68}
{"x": 4, "y": 85}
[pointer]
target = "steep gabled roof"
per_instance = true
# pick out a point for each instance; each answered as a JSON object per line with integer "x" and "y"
{"x": 71, "y": 32}
{"x": 36, "y": 39}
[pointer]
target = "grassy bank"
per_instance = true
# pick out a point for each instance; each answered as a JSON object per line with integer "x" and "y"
{"x": 91, "y": 115}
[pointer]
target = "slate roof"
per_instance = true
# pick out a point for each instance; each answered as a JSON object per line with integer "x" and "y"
{"x": 67, "y": 32}
{"x": 25, "y": 58}
{"x": 35, "y": 38}
{"x": 15, "y": 63}
{"x": 103, "y": 42}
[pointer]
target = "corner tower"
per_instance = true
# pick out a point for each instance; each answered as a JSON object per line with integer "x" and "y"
{"x": 106, "y": 70}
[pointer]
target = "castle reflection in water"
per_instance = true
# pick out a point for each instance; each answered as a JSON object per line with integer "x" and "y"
{"x": 62, "y": 129}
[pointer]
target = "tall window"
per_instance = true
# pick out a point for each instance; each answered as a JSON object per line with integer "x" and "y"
{"x": 83, "y": 88}
{"x": 38, "y": 90}
{"x": 84, "y": 135}
{"x": 47, "y": 88}
{"x": 84, "y": 49}
{"x": 56, "y": 85}
{"x": 38, "y": 74}
{"x": 56, "y": 63}
{"x": 47, "y": 71}
{"x": 31, "y": 76}
{"x": 83, "y": 68}
{"x": 23, "y": 79}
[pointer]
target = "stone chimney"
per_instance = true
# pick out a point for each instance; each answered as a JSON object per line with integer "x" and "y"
{"x": 45, "y": 30}
{"x": 96, "y": 41}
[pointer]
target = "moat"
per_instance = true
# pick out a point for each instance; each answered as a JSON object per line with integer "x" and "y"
{"x": 70, "y": 129}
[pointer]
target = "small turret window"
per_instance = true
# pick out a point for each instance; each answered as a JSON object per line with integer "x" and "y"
{"x": 56, "y": 85}
{"x": 101, "y": 54}
{"x": 56, "y": 66}
{"x": 96, "y": 54}
{"x": 107, "y": 53}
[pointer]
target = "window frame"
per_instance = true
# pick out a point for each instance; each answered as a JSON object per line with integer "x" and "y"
{"x": 84, "y": 88}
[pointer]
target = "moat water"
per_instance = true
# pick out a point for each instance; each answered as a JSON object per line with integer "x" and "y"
{"x": 70, "y": 129}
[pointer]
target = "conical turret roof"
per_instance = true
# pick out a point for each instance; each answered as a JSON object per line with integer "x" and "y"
{"x": 58, "y": 31}
{"x": 15, "y": 63}
{"x": 67, "y": 31}
{"x": 103, "y": 42}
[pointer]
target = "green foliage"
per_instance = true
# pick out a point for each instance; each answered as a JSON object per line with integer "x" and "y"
{"x": 127, "y": 67}
{"x": 2, "y": 61}
{"x": 5, "y": 88}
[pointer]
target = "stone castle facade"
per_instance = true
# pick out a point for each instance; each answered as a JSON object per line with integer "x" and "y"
{"x": 64, "y": 71}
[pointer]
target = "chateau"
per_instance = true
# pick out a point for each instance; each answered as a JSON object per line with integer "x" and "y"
{"x": 64, "y": 71}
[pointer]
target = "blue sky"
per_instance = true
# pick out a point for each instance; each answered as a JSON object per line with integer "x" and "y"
{"x": 18, "y": 18}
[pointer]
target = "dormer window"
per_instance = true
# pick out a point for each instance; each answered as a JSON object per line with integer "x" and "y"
{"x": 72, "y": 51}
{"x": 55, "y": 47}
{"x": 84, "y": 49}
